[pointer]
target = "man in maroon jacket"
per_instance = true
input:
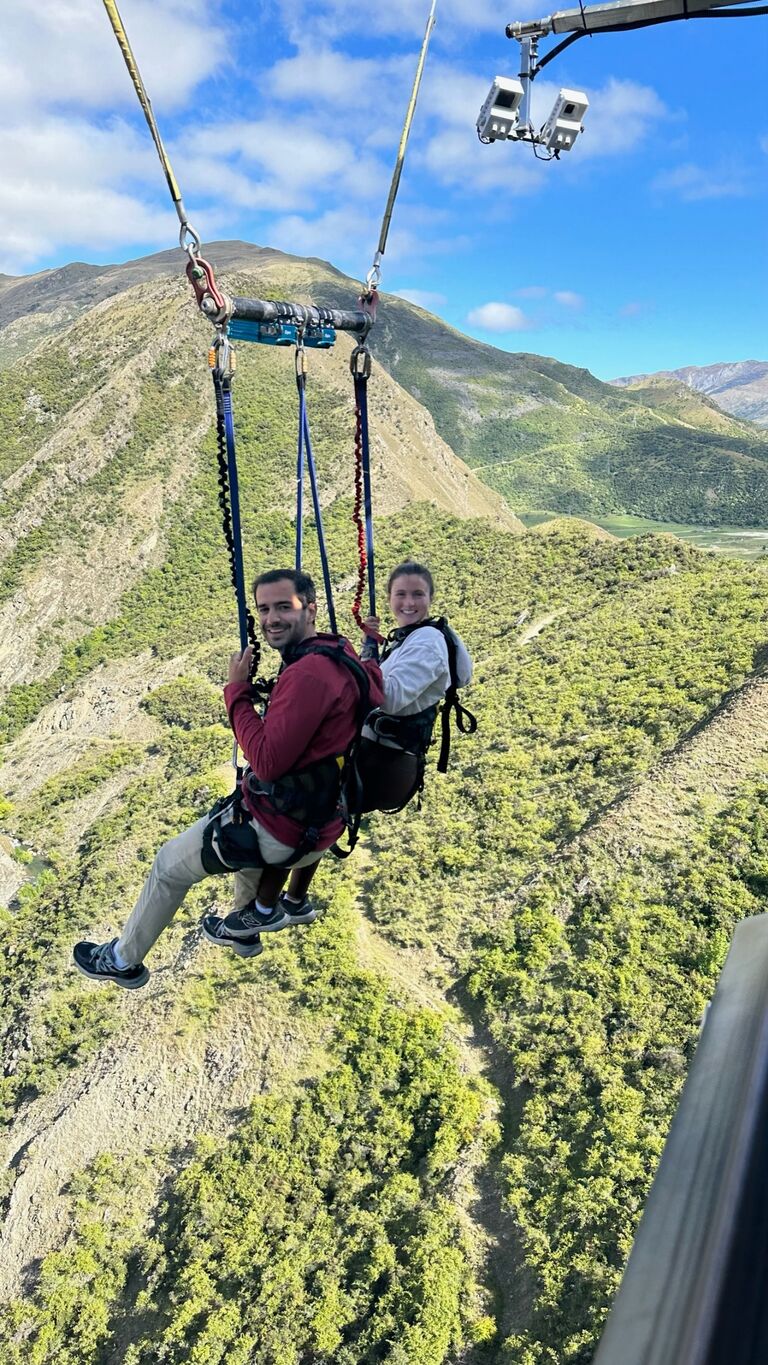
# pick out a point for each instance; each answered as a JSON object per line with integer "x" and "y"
{"x": 286, "y": 812}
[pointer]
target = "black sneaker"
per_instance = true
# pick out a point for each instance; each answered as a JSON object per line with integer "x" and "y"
{"x": 97, "y": 961}
{"x": 244, "y": 923}
{"x": 214, "y": 931}
{"x": 303, "y": 912}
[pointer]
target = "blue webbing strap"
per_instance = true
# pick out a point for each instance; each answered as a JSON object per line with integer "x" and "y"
{"x": 305, "y": 444}
{"x": 319, "y": 523}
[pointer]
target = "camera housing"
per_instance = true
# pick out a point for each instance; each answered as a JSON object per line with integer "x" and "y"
{"x": 564, "y": 123}
{"x": 499, "y": 115}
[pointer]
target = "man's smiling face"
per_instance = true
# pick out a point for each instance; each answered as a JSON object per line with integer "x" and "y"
{"x": 283, "y": 617}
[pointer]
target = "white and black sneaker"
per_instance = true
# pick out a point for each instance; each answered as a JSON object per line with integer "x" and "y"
{"x": 244, "y": 923}
{"x": 215, "y": 932}
{"x": 301, "y": 912}
{"x": 97, "y": 961}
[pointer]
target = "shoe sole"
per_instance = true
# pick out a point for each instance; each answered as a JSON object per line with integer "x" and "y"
{"x": 116, "y": 980}
{"x": 303, "y": 919}
{"x": 262, "y": 929}
{"x": 242, "y": 949}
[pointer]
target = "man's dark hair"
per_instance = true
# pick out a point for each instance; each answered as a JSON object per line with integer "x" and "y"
{"x": 303, "y": 585}
{"x": 410, "y": 566}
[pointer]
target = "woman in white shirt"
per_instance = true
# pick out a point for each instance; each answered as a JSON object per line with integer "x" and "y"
{"x": 417, "y": 674}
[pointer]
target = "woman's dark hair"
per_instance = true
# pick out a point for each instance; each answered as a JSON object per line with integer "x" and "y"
{"x": 410, "y": 566}
{"x": 305, "y": 588}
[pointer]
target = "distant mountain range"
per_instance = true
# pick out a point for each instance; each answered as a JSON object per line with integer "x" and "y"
{"x": 739, "y": 387}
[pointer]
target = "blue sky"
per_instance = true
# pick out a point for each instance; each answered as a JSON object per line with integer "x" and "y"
{"x": 643, "y": 249}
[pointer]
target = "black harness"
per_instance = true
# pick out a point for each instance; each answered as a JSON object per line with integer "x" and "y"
{"x": 312, "y": 796}
{"x": 414, "y": 733}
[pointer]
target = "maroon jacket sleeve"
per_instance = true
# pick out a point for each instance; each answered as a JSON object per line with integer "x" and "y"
{"x": 375, "y": 682}
{"x": 273, "y": 745}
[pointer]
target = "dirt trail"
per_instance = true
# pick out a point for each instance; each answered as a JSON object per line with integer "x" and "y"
{"x": 537, "y": 626}
{"x": 705, "y": 771}
{"x": 425, "y": 979}
{"x": 150, "y": 1086}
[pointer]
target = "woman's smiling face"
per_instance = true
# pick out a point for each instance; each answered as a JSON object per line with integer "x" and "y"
{"x": 409, "y": 599}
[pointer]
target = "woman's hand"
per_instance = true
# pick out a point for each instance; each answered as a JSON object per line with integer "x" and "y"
{"x": 372, "y": 627}
{"x": 240, "y": 666}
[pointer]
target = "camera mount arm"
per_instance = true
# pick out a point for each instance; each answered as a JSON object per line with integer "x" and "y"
{"x": 620, "y": 14}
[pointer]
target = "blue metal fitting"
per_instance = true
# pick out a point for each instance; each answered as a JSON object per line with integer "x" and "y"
{"x": 322, "y": 338}
{"x": 269, "y": 333}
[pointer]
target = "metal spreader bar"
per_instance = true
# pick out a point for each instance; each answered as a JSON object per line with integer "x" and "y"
{"x": 266, "y": 310}
{"x": 618, "y": 14}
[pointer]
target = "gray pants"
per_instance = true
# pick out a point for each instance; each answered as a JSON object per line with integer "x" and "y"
{"x": 177, "y": 867}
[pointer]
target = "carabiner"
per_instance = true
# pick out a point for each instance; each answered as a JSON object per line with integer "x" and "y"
{"x": 221, "y": 356}
{"x": 360, "y": 361}
{"x": 301, "y": 359}
{"x": 192, "y": 247}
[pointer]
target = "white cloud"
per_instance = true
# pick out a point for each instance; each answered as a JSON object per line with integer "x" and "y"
{"x": 499, "y": 317}
{"x": 279, "y": 165}
{"x": 632, "y": 309}
{"x": 405, "y": 19}
{"x": 532, "y": 291}
{"x": 345, "y": 235}
{"x": 568, "y": 299}
{"x": 66, "y": 181}
{"x": 65, "y": 51}
{"x": 423, "y": 298}
{"x": 693, "y": 183}
{"x": 31, "y": 227}
{"x": 329, "y": 76}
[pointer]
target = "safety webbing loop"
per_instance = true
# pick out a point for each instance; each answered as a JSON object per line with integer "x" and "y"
{"x": 187, "y": 231}
{"x": 374, "y": 274}
{"x": 229, "y": 493}
{"x": 301, "y": 385}
{"x": 305, "y": 448}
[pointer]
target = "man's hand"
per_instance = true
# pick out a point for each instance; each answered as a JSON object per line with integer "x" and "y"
{"x": 240, "y": 666}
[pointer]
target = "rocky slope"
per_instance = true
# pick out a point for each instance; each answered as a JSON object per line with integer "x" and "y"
{"x": 541, "y": 433}
{"x": 108, "y": 425}
{"x": 739, "y": 387}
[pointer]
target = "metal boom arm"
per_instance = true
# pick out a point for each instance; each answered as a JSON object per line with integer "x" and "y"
{"x": 618, "y": 14}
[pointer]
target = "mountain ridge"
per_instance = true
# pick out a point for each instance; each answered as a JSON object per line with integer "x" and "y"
{"x": 738, "y": 387}
{"x": 540, "y": 433}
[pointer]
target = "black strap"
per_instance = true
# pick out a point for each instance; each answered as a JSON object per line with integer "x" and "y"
{"x": 350, "y": 784}
{"x": 466, "y": 722}
{"x": 231, "y": 843}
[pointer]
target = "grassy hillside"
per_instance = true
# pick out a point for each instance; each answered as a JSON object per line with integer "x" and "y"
{"x": 541, "y": 433}
{"x": 399, "y": 1193}
{"x": 108, "y": 428}
{"x": 739, "y": 387}
{"x": 420, "y": 1131}
{"x": 549, "y": 435}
